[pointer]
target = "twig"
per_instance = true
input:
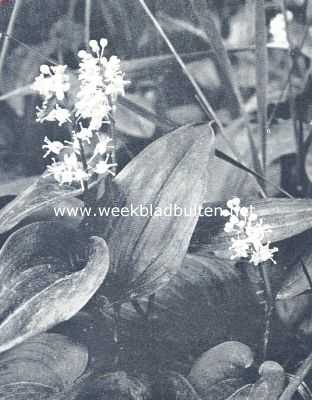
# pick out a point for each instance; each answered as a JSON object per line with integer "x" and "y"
{"x": 87, "y": 22}
{"x": 4, "y": 50}
{"x": 297, "y": 379}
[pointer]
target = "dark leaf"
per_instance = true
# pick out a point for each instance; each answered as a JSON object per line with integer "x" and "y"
{"x": 43, "y": 360}
{"x": 42, "y": 283}
{"x": 205, "y": 303}
{"x": 220, "y": 371}
{"x": 112, "y": 386}
{"x": 270, "y": 384}
{"x": 146, "y": 251}
{"x": 176, "y": 386}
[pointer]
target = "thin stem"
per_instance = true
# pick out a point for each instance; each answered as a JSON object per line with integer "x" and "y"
{"x": 261, "y": 76}
{"x": 112, "y": 130}
{"x": 71, "y": 9}
{"x": 306, "y": 272}
{"x": 285, "y": 86}
{"x": 292, "y": 100}
{"x": 184, "y": 68}
{"x": 297, "y": 379}
{"x": 85, "y": 166}
{"x": 4, "y": 50}
{"x": 116, "y": 338}
{"x": 29, "y": 48}
{"x": 269, "y": 307}
{"x": 87, "y": 22}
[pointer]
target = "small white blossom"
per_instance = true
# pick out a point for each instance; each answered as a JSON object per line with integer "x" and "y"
{"x": 103, "y": 145}
{"x": 58, "y": 114}
{"x": 52, "y": 147}
{"x": 103, "y": 167}
{"x": 101, "y": 81}
{"x": 52, "y": 81}
{"x": 249, "y": 233}
{"x": 85, "y": 134}
{"x": 278, "y": 32}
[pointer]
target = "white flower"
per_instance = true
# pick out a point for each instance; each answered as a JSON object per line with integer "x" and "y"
{"x": 52, "y": 81}
{"x": 103, "y": 167}
{"x": 103, "y": 145}
{"x": 240, "y": 248}
{"x": 278, "y": 32}
{"x": 68, "y": 171}
{"x": 59, "y": 114}
{"x": 52, "y": 147}
{"x": 263, "y": 253}
{"x": 85, "y": 134}
{"x": 101, "y": 81}
{"x": 249, "y": 239}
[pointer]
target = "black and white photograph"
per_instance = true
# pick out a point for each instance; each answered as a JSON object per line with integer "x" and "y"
{"x": 155, "y": 200}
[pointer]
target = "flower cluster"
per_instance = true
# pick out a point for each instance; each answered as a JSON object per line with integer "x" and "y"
{"x": 278, "y": 30}
{"x": 249, "y": 234}
{"x": 100, "y": 82}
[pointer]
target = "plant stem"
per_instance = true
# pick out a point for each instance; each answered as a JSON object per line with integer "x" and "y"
{"x": 4, "y": 50}
{"x": 261, "y": 76}
{"x": 112, "y": 130}
{"x": 184, "y": 68}
{"x": 87, "y": 22}
{"x": 116, "y": 338}
{"x": 85, "y": 166}
{"x": 297, "y": 379}
{"x": 269, "y": 307}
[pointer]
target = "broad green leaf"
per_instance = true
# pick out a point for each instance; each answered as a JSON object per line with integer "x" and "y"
{"x": 42, "y": 282}
{"x": 205, "y": 303}
{"x": 42, "y": 193}
{"x": 220, "y": 371}
{"x": 146, "y": 251}
{"x": 43, "y": 360}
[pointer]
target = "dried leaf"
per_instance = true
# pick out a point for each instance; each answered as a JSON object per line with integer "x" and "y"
{"x": 171, "y": 171}
{"x": 40, "y": 282}
{"x": 220, "y": 371}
